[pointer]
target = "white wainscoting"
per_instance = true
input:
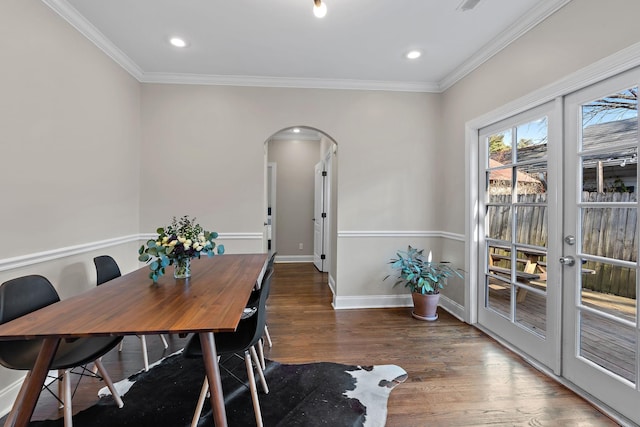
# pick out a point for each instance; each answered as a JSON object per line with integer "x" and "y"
{"x": 395, "y": 300}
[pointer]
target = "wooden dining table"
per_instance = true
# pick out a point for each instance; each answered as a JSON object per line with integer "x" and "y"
{"x": 211, "y": 300}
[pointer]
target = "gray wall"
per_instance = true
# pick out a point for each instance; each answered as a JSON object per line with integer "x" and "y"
{"x": 90, "y": 156}
{"x": 70, "y": 151}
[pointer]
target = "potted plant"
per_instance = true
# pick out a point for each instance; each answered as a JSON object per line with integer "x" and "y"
{"x": 424, "y": 278}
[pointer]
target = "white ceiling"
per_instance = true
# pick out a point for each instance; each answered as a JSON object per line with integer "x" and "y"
{"x": 360, "y": 44}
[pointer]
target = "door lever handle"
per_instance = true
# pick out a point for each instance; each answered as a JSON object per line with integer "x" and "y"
{"x": 567, "y": 260}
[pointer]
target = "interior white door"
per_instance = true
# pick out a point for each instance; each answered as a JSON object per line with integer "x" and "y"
{"x": 319, "y": 215}
{"x": 519, "y": 214}
{"x": 600, "y": 255}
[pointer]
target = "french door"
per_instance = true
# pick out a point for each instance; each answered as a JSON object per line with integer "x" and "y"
{"x": 520, "y": 211}
{"x": 558, "y": 238}
{"x": 600, "y": 249}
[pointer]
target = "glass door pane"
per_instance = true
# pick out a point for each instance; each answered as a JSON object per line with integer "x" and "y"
{"x": 514, "y": 299}
{"x": 601, "y": 333}
{"x": 608, "y": 215}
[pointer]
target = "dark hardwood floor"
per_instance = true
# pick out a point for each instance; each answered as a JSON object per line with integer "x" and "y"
{"x": 457, "y": 375}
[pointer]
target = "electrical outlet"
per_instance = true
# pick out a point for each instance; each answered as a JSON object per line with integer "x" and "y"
{"x": 300, "y": 246}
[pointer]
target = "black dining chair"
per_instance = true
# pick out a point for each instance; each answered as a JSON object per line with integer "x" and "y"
{"x": 24, "y": 295}
{"x": 251, "y": 305}
{"x": 107, "y": 269}
{"x": 243, "y": 340}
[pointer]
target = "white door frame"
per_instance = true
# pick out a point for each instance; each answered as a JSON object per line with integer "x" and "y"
{"x": 270, "y": 221}
{"x": 328, "y": 166}
{"x": 607, "y": 67}
{"x": 614, "y": 64}
{"x": 319, "y": 215}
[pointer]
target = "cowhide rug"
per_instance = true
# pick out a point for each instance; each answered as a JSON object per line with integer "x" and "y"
{"x": 314, "y": 394}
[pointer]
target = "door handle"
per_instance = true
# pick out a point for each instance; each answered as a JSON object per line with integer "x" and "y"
{"x": 567, "y": 260}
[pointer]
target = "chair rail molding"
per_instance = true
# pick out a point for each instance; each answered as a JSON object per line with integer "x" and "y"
{"x": 402, "y": 233}
{"x": 40, "y": 257}
{"x": 51, "y": 255}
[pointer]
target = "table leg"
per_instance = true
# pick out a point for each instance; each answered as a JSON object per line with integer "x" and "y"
{"x": 213, "y": 375}
{"x": 23, "y": 408}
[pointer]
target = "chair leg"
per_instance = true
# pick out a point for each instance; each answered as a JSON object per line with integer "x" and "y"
{"x": 109, "y": 383}
{"x": 164, "y": 341}
{"x": 66, "y": 398}
{"x": 201, "y": 399}
{"x": 145, "y": 356}
{"x": 263, "y": 381}
{"x": 120, "y": 346}
{"x": 61, "y": 373}
{"x": 253, "y": 388}
{"x": 266, "y": 333}
{"x": 261, "y": 354}
{"x": 94, "y": 370}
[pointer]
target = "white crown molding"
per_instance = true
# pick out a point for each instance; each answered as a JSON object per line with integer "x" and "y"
{"x": 298, "y": 83}
{"x": 536, "y": 15}
{"x": 39, "y": 257}
{"x": 77, "y": 21}
{"x": 386, "y": 233}
{"x": 616, "y": 63}
{"x": 541, "y": 11}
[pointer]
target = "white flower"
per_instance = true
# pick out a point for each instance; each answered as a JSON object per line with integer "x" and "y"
{"x": 173, "y": 243}
{"x": 181, "y": 239}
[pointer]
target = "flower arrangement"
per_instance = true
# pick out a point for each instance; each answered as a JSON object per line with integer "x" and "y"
{"x": 177, "y": 244}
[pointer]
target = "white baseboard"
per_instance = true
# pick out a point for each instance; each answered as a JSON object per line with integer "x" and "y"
{"x": 449, "y": 305}
{"x": 8, "y": 396}
{"x": 332, "y": 285}
{"x": 391, "y": 301}
{"x": 294, "y": 258}
{"x": 372, "y": 301}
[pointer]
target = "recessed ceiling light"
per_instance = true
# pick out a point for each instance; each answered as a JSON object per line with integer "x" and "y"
{"x": 296, "y": 130}
{"x": 177, "y": 42}
{"x": 414, "y": 54}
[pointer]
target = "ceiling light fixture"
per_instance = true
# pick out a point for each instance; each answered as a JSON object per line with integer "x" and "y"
{"x": 296, "y": 130}
{"x": 414, "y": 54}
{"x": 319, "y": 8}
{"x": 177, "y": 42}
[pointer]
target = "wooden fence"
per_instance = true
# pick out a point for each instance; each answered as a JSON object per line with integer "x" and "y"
{"x": 607, "y": 232}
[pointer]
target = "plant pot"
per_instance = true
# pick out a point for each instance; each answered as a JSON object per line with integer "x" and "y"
{"x": 425, "y": 306}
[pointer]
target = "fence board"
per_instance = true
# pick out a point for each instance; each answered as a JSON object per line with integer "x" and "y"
{"x": 607, "y": 232}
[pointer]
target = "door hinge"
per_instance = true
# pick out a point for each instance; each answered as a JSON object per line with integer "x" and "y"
{"x": 324, "y": 214}
{"x": 324, "y": 173}
{"x": 323, "y": 256}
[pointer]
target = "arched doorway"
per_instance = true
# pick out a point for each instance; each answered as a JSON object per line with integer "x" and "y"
{"x": 300, "y": 197}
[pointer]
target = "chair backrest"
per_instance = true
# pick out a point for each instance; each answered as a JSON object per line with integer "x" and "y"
{"x": 106, "y": 268}
{"x": 25, "y": 294}
{"x": 261, "y": 313}
{"x": 272, "y": 260}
